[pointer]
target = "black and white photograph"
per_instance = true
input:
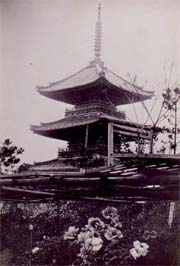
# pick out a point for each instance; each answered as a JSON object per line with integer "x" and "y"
{"x": 89, "y": 132}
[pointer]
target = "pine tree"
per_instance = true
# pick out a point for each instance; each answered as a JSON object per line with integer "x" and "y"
{"x": 9, "y": 155}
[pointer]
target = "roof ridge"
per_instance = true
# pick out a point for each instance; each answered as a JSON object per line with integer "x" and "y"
{"x": 51, "y": 84}
{"x": 128, "y": 82}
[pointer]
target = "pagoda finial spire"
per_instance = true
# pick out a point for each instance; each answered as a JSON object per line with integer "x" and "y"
{"x": 98, "y": 35}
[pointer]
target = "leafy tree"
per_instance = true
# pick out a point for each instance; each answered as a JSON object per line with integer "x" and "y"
{"x": 9, "y": 155}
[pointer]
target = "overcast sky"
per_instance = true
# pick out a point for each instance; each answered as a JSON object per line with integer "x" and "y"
{"x": 47, "y": 40}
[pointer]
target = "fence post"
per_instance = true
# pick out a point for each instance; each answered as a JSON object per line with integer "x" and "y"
{"x": 110, "y": 143}
{"x": 171, "y": 213}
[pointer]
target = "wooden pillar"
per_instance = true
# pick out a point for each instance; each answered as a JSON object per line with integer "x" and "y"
{"x": 86, "y": 136}
{"x": 151, "y": 142}
{"x": 110, "y": 144}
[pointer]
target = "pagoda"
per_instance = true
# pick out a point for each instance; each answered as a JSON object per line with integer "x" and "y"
{"x": 94, "y": 125}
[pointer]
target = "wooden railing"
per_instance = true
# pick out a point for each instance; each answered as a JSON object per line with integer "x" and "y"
{"x": 94, "y": 108}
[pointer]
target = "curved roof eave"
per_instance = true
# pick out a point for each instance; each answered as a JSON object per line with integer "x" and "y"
{"x": 66, "y": 123}
{"x": 87, "y": 77}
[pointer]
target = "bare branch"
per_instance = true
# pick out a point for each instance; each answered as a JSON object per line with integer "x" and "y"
{"x": 170, "y": 73}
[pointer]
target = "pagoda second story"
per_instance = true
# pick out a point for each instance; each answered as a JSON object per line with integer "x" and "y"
{"x": 94, "y": 123}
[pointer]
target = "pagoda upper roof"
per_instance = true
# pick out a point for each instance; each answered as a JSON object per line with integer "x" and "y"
{"x": 94, "y": 81}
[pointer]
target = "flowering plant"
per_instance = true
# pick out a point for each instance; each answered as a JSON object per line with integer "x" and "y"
{"x": 101, "y": 241}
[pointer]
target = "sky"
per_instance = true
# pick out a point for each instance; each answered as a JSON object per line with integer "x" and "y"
{"x": 43, "y": 41}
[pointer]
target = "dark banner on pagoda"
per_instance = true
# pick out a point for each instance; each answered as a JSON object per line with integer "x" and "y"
{"x": 132, "y": 131}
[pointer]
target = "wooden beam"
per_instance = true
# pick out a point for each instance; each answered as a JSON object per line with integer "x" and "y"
{"x": 117, "y": 191}
{"x": 49, "y": 181}
{"x": 27, "y": 192}
{"x": 29, "y": 181}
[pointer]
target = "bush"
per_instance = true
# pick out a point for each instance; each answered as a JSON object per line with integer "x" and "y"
{"x": 84, "y": 233}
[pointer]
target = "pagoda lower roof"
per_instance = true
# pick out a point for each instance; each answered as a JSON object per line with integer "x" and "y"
{"x": 68, "y": 122}
{"x": 54, "y": 129}
{"x": 92, "y": 81}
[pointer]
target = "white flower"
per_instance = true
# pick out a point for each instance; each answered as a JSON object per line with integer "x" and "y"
{"x": 144, "y": 249}
{"x": 87, "y": 243}
{"x": 95, "y": 223}
{"x": 71, "y": 233}
{"x": 82, "y": 236}
{"x": 109, "y": 212}
{"x": 115, "y": 221}
{"x": 35, "y": 250}
{"x": 112, "y": 233}
{"x": 137, "y": 244}
{"x": 140, "y": 249}
{"x": 94, "y": 244}
{"x": 134, "y": 253}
